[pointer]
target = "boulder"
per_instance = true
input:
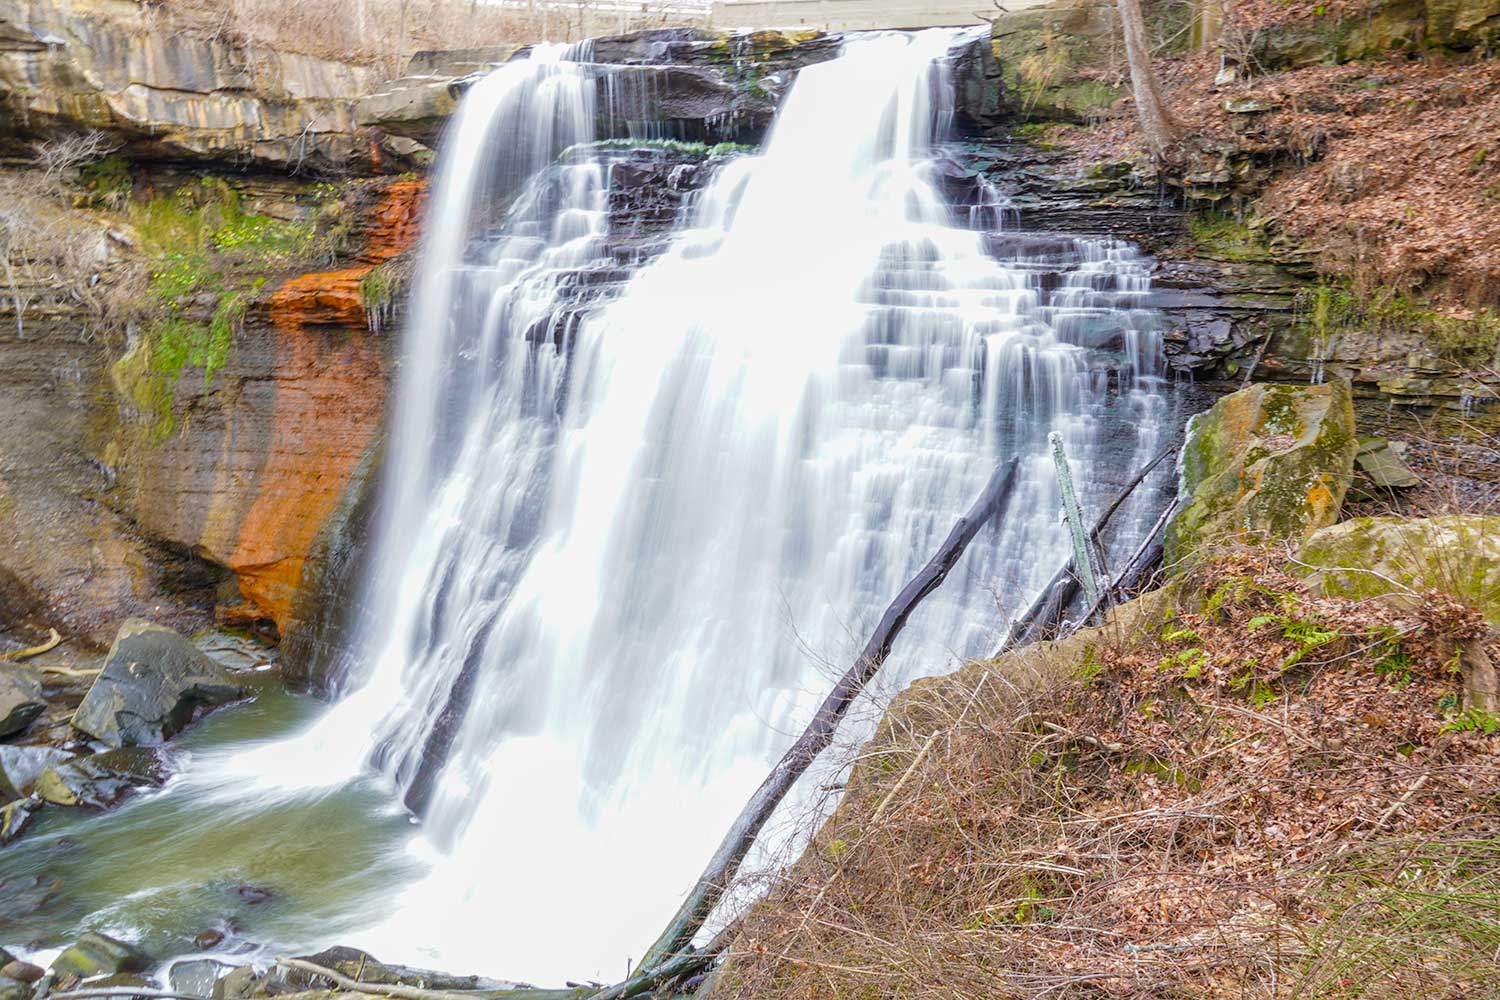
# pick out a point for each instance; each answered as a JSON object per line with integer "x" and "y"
{"x": 20, "y": 766}
{"x": 20, "y": 699}
{"x": 152, "y": 682}
{"x": 14, "y": 817}
{"x": 103, "y": 779}
{"x": 96, "y": 954}
{"x": 1383, "y": 556}
{"x": 1060, "y": 61}
{"x": 1268, "y": 462}
{"x": 1385, "y": 463}
{"x": 20, "y": 971}
{"x": 197, "y": 978}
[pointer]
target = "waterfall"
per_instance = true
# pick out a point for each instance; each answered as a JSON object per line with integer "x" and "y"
{"x": 625, "y": 542}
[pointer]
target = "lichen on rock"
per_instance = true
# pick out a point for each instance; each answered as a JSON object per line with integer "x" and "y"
{"x": 1458, "y": 554}
{"x": 1268, "y": 462}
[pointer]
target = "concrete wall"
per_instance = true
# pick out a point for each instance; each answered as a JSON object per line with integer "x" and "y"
{"x": 854, "y": 15}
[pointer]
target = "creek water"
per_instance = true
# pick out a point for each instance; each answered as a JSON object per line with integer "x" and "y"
{"x": 625, "y": 543}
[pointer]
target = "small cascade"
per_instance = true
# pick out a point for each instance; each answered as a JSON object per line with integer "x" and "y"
{"x": 627, "y": 535}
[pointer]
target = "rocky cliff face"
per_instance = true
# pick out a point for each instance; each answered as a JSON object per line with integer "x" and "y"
{"x": 167, "y": 85}
{"x": 153, "y": 483}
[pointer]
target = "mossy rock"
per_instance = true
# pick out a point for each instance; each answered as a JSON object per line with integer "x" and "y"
{"x": 1266, "y": 463}
{"x": 97, "y": 954}
{"x": 1383, "y": 27}
{"x": 1056, "y": 60}
{"x": 1370, "y": 557}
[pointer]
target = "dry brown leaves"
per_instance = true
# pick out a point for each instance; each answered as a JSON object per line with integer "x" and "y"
{"x": 1266, "y": 796}
{"x": 1390, "y": 168}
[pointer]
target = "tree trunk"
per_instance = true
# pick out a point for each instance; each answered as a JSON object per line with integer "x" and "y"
{"x": 1481, "y": 690}
{"x": 1156, "y": 123}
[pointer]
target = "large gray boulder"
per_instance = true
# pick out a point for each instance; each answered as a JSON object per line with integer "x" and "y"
{"x": 20, "y": 699}
{"x": 152, "y": 682}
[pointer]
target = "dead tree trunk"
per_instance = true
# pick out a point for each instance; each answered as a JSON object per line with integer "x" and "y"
{"x": 1156, "y": 122}
{"x": 722, "y": 868}
{"x": 1057, "y": 596}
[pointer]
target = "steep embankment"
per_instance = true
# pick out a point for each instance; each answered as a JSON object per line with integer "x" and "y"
{"x": 1273, "y": 776}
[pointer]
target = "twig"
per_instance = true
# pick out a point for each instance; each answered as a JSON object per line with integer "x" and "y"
{"x": 1092, "y": 741}
{"x": 1054, "y": 598}
{"x": 22, "y": 654}
{"x": 1395, "y": 807}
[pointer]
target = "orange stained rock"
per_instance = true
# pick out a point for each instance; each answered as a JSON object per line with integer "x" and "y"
{"x": 330, "y": 378}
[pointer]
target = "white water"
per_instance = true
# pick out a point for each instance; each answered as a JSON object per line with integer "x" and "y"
{"x": 652, "y": 535}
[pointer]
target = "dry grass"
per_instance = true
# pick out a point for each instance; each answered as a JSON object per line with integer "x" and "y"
{"x": 1241, "y": 790}
{"x": 385, "y": 33}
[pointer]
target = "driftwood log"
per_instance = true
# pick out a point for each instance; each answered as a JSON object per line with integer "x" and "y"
{"x": 671, "y": 947}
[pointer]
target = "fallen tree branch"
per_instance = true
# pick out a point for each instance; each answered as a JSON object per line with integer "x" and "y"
{"x": 1053, "y": 600}
{"x": 399, "y": 990}
{"x": 681, "y": 965}
{"x": 712, "y": 884}
{"x": 22, "y": 654}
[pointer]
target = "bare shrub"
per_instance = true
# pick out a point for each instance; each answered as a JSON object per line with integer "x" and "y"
{"x": 53, "y": 256}
{"x": 58, "y": 158}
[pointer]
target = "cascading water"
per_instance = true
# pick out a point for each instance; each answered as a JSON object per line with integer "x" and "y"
{"x": 619, "y": 545}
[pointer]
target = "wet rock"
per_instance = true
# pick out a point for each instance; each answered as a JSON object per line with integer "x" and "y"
{"x": 210, "y": 938}
{"x": 253, "y": 894}
{"x": 197, "y": 978}
{"x": 20, "y": 699}
{"x": 1400, "y": 557}
{"x": 1265, "y": 463}
{"x": 355, "y": 963}
{"x": 15, "y": 817}
{"x": 240, "y": 983}
{"x": 21, "y": 972}
{"x": 22, "y": 896}
{"x": 152, "y": 682}
{"x": 20, "y": 766}
{"x": 96, "y": 954}
{"x": 103, "y": 779}
{"x": 14, "y": 991}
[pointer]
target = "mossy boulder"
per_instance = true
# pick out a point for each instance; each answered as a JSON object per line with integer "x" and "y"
{"x": 1386, "y": 26}
{"x": 97, "y": 954}
{"x": 153, "y": 682}
{"x": 1059, "y": 62}
{"x": 1369, "y": 557}
{"x": 1268, "y": 462}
